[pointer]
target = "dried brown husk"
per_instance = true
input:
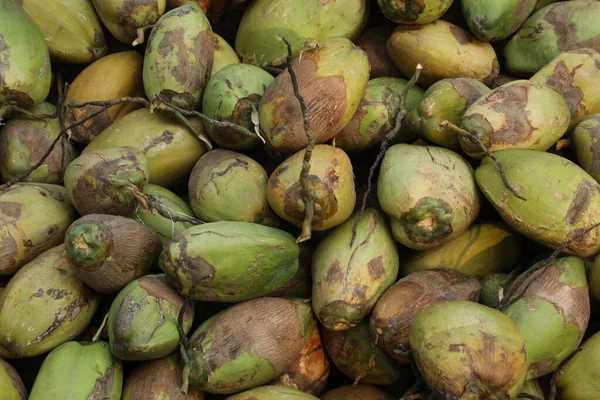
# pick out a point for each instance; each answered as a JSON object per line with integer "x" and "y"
{"x": 310, "y": 371}
{"x": 109, "y": 251}
{"x": 397, "y": 307}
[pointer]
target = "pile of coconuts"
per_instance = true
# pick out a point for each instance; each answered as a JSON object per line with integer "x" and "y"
{"x": 299, "y": 199}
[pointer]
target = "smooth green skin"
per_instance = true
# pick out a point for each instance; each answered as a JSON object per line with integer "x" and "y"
{"x": 73, "y": 33}
{"x": 483, "y": 249}
{"x": 574, "y": 75}
{"x": 232, "y": 86}
{"x": 143, "y": 325}
{"x": 492, "y": 286}
{"x": 550, "y": 184}
{"x": 340, "y": 271}
{"x": 356, "y": 354}
{"x": 169, "y": 147}
{"x": 492, "y": 20}
{"x": 543, "y": 318}
{"x": 171, "y": 67}
{"x": 247, "y": 369}
{"x": 123, "y": 17}
{"x": 242, "y": 261}
{"x": 42, "y": 208}
{"x": 429, "y": 192}
{"x": 17, "y": 157}
{"x": 517, "y": 115}
{"x": 272, "y": 393}
{"x": 25, "y": 74}
{"x": 229, "y": 186}
{"x": 264, "y": 20}
{"x": 594, "y": 281}
{"x": 132, "y": 170}
{"x": 79, "y": 371}
{"x": 376, "y": 114}
{"x": 11, "y": 385}
{"x": 34, "y": 318}
{"x": 438, "y": 328}
{"x": 580, "y": 377}
{"x": 447, "y": 99}
{"x": 585, "y": 139}
{"x": 536, "y": 42}
{"x": 414, "y": 11}
{"x": 224, "y": 55}
{"x": 165, "y": 227}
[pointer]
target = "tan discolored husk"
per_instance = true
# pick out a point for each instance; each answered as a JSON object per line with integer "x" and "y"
{"x": 124, "y": 18}
{"x": 310, "y": 371}
{"x": 35, "y": 217}
{"x": 143, "y": 319}
{"x": 229, "y": 186}
{"x": 179, "y": 56}
{"x": 248, "y": 344}
{"x": 574, "y": 74}
{"x": 445, "y": 51}
{"x": 484, "y": 248}
{"x": 44, "y": 305}
{"x": 107, "y": 181}
{"x": 170, "y": 148}
{"x": 109, "y": 251}
{"x": 372, "y": 41}
{"x": 348, "y": 280}
{"x": 397, "y": 307}
{"x": 158, "y": 379}
{"x": 357, "y": 392}
{"x": 551, "y": 308}
{"x": 332, "y": 77}
{"x": 330, "y": 178}
{"x": 10, "y": 383}
{"x": 23, "y": 142}
{"x": 520, "y": 114}
{"x": 109, "y": 78}
{"x": 355, "y": 353}
{"x": 466, "y": 350}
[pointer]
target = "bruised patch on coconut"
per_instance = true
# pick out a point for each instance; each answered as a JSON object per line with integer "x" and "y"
{"x": 564, "y": 82}
{"x": 580, "y": 203}
{"x": 565, "y": 29}
{"x": 517, "y": 127}
{"x": 325, "y": 201}
{"x": 405, "y": 11}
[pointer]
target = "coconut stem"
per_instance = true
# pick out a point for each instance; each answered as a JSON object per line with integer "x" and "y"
{"x": 557, "y": 371}
{"x": 99, "y": 331}
{"x": 181, "y": 118}
{"x": 155, "y": 206}
{"x": 514, "y": 286}
{"x": 473, "y": 138}
{"x": 402, "y": 111}
{"x": 563, "y": 144}
{"x": 141, "y": 33}
{"x": 309, "y": 210}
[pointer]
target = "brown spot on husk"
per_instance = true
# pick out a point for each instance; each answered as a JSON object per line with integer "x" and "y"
{"x": 158, "y": 286}
{"x": 335, "y": 272}
{"x": 37, "y": 141}
{"x": 325, "y": 99}
{"x": 166, "y": 137}
{"x": 510, "y": 101}
{"x": 4, "y": 65}
{"x": 91, "y": 128}
{"x": 565, "y": 29}
{"x": 521, "y": 9}
{"x": 563, "y": 82}
{"x": 595, "y": 149}
{"x": 241, "y": 115}
{"x": 467, "y": 90}
{"x": 375, "y": 267}
{"x": 69, "y": 312}
{"x": 104, "y": 386}
{"x": 462, "y": 37}
{"x": 581, "y": 201}
{"x": 191, "y": 76}
{"x": 9, "y": 212}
